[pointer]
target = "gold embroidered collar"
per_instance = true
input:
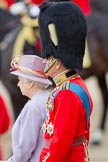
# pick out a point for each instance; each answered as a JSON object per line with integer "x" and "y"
{"x": 64, "y": 76}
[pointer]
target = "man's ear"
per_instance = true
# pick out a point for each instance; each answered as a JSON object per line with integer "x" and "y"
{"x": 58, "y": 64}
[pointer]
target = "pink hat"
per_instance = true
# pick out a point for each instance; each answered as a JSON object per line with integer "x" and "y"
{"x": 30, "y": 67}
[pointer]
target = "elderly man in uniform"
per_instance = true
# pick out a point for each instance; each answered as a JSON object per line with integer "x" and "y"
{"x": 66, "y": 125}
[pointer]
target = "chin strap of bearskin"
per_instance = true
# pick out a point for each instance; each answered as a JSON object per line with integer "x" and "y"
{"x": 49, "y": 64}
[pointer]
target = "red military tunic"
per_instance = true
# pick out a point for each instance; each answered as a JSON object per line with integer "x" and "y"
{"x": 64, "y": 122}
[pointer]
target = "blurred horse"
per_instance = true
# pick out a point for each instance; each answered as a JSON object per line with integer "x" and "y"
{"x": 7, "y": 22}
{"x": 97, "y": 40}
{"x": 13, "y": 39}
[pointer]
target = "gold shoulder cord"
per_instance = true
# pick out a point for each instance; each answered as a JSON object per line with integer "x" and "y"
{"x": 65, "y": 85}
{"x": 46, "y": 157}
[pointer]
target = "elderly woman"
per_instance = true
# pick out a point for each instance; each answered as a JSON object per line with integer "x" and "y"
{"x": 27, "y": 140}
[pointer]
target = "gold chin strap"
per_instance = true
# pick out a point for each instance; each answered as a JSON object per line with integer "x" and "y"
{"x": 49, "y": 64}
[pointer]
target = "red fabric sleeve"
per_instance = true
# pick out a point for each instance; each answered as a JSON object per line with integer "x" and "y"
{"x": 4, "y": 117}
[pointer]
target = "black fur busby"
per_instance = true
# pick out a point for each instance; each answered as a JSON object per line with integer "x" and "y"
{"x": 63, "y": 31}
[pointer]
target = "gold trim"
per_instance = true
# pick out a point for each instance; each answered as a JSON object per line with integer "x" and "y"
{"x": 59, "y": 79}
{"x": 46, "y": 157}
{"x": 49, "y": 64}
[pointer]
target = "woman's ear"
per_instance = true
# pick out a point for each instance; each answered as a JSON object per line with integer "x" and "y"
{"x": 31, "y": 83}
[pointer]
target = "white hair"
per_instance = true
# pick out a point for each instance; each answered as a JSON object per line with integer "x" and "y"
{"x": 42, "y": 85}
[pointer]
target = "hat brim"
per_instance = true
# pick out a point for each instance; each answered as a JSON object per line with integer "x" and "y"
{"x": 32, "y": 77}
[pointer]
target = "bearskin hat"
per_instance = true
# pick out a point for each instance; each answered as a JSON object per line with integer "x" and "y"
{"x": 63, "y": 31}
